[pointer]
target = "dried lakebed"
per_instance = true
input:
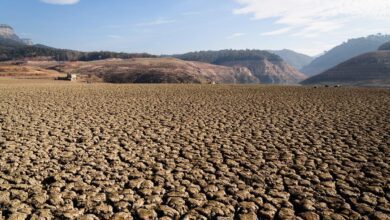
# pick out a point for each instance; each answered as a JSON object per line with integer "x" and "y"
{"x": 193, "y": 152}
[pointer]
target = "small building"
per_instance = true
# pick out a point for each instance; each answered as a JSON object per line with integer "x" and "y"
{"x": 71, "y": 77}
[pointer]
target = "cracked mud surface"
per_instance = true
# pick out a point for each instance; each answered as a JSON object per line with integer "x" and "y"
{"x": 193, "y": 151}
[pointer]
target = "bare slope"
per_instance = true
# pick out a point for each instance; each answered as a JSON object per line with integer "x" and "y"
{"x": 367, "y": 69}
{"x": 159, "y": 70}
{"x": 26, "y": 71}
{"x": 344, "y": 52}
{"x": 294, "y": 59}
{"x": 267, "y": 67}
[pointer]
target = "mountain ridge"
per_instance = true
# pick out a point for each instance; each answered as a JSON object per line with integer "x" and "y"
{"x": 295, "y": 59}
{"x": 269, "y": 68}
{"x": 371, "y": 69}
{"x": 343, "y": 52}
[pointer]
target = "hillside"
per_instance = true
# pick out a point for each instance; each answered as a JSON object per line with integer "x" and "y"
{"x": 24, "y": 71}
{"x": 12, "y": 47}
{"x": 13, "y": 50}
{"x": 266, "y": 67}
{"x": 385, "y": 46}
{"x": 343, "y": 52}
{"x": 157, "y": 70}
{"x": 296, "y": 60}
{"x": 368, "y": 69}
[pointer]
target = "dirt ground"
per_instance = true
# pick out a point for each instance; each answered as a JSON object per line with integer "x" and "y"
{"x": 101, "y": 151}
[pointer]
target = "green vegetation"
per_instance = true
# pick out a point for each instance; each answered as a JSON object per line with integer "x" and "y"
{"x": 222, "y": 56}
{"x": 12, "y": 50}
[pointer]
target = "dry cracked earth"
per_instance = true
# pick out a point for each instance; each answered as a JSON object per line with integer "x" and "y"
{"x": 74, "y": 151}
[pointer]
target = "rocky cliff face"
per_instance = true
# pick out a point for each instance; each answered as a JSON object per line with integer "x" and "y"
{"x": 7, "y": 32}
{"x": 268, "y": 68}
{"x": 159, "y": 70}
{"x": 269, "y": 72}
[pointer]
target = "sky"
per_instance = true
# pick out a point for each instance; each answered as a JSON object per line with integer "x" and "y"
{"x": 177, "y": 26}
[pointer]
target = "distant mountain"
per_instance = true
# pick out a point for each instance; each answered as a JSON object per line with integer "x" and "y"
{"x": 368, "y": 69}
{"x": 343, "y": 52}
{"x": 7, "y": 32}
{"x": 385, "y": 46}
{"x": 157, "y": 70}
{"x": 12, "y": 48}
{"x": 296, "y": 60}
{"x": 267, "y": 67}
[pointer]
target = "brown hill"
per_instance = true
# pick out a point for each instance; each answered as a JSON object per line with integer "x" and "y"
{"x": 367, "y": 69}
{"x": 26, "y": 71}
{"x": 269, "y": 68}
{"x": 268, "y": 71}
{"x": 157, "y": 70}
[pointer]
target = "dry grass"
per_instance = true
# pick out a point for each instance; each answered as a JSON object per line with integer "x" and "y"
{"x": 27, "y": 72}
{"x": 200, "y": 151}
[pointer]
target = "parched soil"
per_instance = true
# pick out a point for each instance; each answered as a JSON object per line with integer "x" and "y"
{"x": 99, "y": 151}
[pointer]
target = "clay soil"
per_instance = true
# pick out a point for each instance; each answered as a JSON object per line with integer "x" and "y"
{"x": 101, "y": 151}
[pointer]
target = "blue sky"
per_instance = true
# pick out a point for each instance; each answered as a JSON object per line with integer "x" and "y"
{"x": 177, "y": 26}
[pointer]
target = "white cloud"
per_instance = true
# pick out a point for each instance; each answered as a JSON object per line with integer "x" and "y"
{"x": 114, "y": 36}
{"x": 61, "y": 2}
{"x": 277, "y": 32}
{"x": 312, "y": 17}
{"x": 235, "y": 35}
{"x": 158, "y": 21}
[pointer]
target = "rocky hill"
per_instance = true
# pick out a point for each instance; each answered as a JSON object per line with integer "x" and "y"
{"x": 296, "y": 60}
{"x": 7, "y": 32}
{"x": 156, "y": 70}
{"x": 343, "y": 52}
{"x": 266, "y": 67}
{"x": 371, "y": 69}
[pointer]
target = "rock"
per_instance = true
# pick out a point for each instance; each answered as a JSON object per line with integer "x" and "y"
{"x": 248, "y": 216}
{"x": 122, "y": 216}
{"x": 248, "y": 206}
{"x": 379, "y": 216}
{"x": 308, "y": 205}
{"x": 309, "y": 216}
{"x": 88, "y": 217}
{"x": 18, "y": 216}
{"x": 4, "y": 197}
{"x": 146, "y": 214}
{"x": 168, "y": 211}
{"x": 286, "y": 213}
{"x": 72, "y": 214}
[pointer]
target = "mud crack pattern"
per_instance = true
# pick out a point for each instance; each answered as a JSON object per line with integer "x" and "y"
{"x": 193, "y": 152}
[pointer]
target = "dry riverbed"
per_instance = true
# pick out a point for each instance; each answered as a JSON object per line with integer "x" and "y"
{"x": 100, "y": 151}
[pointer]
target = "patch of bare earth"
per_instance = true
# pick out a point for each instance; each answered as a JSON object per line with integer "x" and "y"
{"x": 99, "y": 151}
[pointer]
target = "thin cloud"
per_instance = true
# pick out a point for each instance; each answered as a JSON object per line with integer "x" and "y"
{"x": 276, "y": 32}
{"x": 158, "y": 21}
{"x": 312, "y": 17}
{"x": 114, "y": 36}
{"x": 61, "y": 2}
{"x": 189, "y": 13}
{"x": 236, "y": 35}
